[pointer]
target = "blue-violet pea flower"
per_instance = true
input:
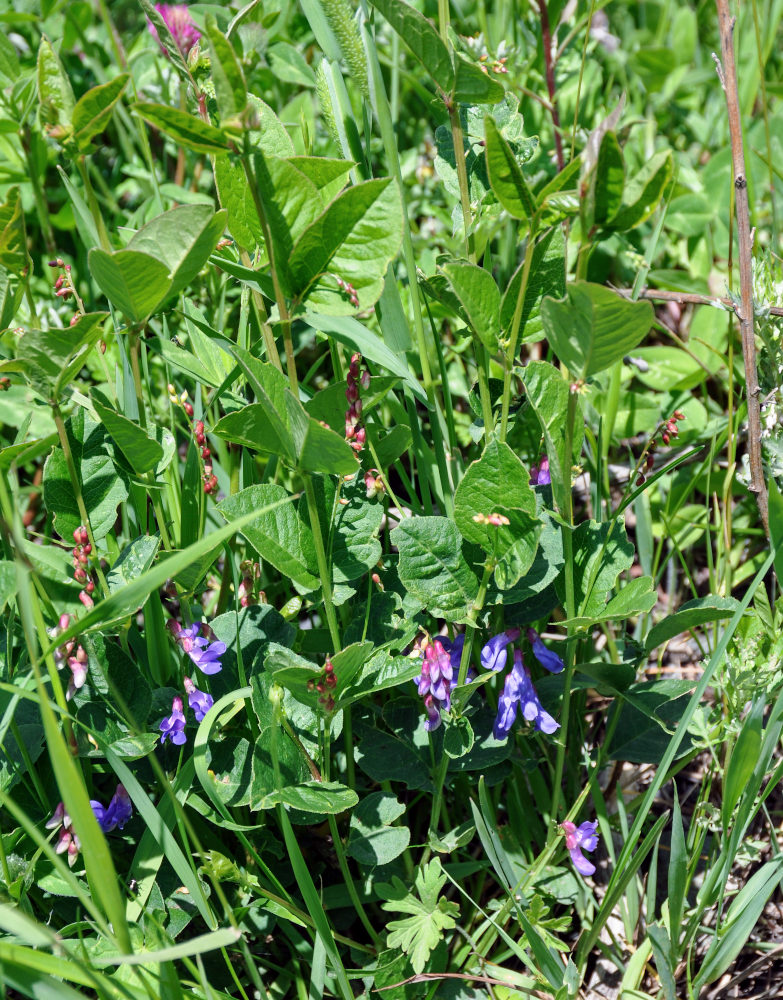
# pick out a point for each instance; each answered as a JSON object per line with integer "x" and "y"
{"x": 435, "y": 683}
{"x": 173, "y": 726}
{"x": 539, "y": 474}
{"x": 205, "y": 654}
{"x": 494, "y": 655}
{"x": 518, "y": 692}
{"x": 199, "y": 701}
{"x": 579, "y": 838}
{"x": 549, "y": 660}
{"x": 118, "y": 811}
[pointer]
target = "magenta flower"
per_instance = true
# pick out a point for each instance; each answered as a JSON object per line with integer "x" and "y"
{"x": 180, "y": 24}
{"x": 173, "y": 726}
{"x": 199, "y": 701}
{"x": 539, "y": 474}
{"x": 549, "y": 661}
{"x": 578, "y": 838}
{"x": 435, "y": 683}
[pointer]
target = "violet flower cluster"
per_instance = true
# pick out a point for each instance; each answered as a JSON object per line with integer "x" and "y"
{"x": 579, "y": 838}
{"x": 113, "y": 816}
{"x": 206, "y": 654}
{"x": 539, "y": 474}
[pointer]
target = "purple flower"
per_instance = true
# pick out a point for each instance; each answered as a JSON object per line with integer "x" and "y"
{"x": 494, "y": 655}
{"x": 66, "y": 837}
{"x": 205, "y": 654}
{"x": 435, "y": 682}
{"x": 199, "y": 701}
{"x": 539, "y": 474}
{"x": 119, "y": 809}
{"x": 580, "y": 838}
{"x": 173, "y": 726}
{"x": 518, "y": 692}
{"x": 549, "y": 660}
{"x": 179, "y": 22}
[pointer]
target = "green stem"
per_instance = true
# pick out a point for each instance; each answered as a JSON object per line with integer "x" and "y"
{"x": 350, "y": 885}
{"x": 94, "y": 207}
{"x": 515, "y": 327}
{"x": 38, "y": 195}
{"x": 133, "y": 350}
{"x": 462, "y": 176}
{"x": 323, "y": 568}
{"x": 480, "y": 353}
{"x": 570, "y": 588}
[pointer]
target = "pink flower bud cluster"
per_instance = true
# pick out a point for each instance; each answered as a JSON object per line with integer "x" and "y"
{"x": 373, "y": 483}
{"x": 199, "y": 436}
{"x": 5, "y": 383}
{"x": 72, "y": 654}
{"x": 670, "y": 430}
{"x": 81, "y": 563}
{"x": 248, "y": 588}
{"x": 358, "y": 379}
{"x": 347, "y": 289}
{"x": 324, "y": 686}
{"x": 63, "y": 286}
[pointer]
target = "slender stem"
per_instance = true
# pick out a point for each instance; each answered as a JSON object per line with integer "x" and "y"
{"x": 323, "y": 567}
{"x": 480, "y": 353}
{"x": 38, "y": 195}
{"x": 570, "y": 652}
{"x": 350, "y": 884}
{"x": 133, "y": 350}
{"x": 752, "y": 389}
{"x": 515, "y": 326}
{"x": 462, "y": 176}
{"x": 94, "y": 207}
{"x": 549, "y": 66}
{"x": 311, "y": 764}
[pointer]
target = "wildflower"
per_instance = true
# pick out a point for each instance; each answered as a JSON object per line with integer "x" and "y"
{"x": 179, "y": 22}
{"x": 518, "y": 692}
{"x": 173, "y": 726}
{"x": 579, "y": 838}
{"x": 539, "y": 474}
{"x": 205, "y": 654}
{"x": 435, "y": 682}
{"x": 118, "y": 811}
{"x": 199, "y": 701}
{"x": 67, "y": 841}
{"x": 494, "y": 655}
{"x": 549, "y": 661}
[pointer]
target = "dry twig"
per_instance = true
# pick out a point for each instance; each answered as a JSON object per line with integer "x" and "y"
{"x": 729, "y": 81}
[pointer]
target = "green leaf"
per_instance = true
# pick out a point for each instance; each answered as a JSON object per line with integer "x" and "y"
{"x": 458, "y": 739}
{"x": 7, "y": 582}
{"x": 546, "y": 277}
{"x": 355, "y": 335}
{"x": 547, "y": 392}
{"x": 54, "y": 89}
{"x": 142, "y": 452}
{"x": 52, "y": 358}
{"x": 321, "y": 450}
{"x": 230, "y": 87}
{"x": 608, "y": 179}
{"x": 182, "y": 239}
{"x": 479, "y": 297}
{"x": 277, "y": 535}
{"x": 421, "y": 36}
{"x": 135, "y": 559}
{"x": 642, "y": 735}
{"x": 635, "y": 598}
{"x": 289, "y": 65}
{"x": 293, "y": 770}
{"x": 9, "y": 60}
{"x": 601, "y": 552}
{"x": 14, "y": 256}
{"x": 743, "y": 760}
{"x": 134, "y": 282}
{"x": 498, "y": 483}
{"x": 252, "y": 427}
{"x": 186, "y": 130}
{"x": 776, "y": 526}
{"x": 432, "y": 567}
{"x": 430, "y": 915}
{"x": 94, "y": 109}
{"x": 594, "y": 327}
{"x": 692, "y": 613}
{"x": 323, "y": 797}
{"x": 373, "y": 839}
{"x": 353, "y": 239}
{"x": 103, "y": 488}
{"x": 743, "y": 915}
{"x": 643, "y": 192}
{"x": 474, "y": 85}
{"x": 355, "y": 547}
{"x": 505, "y": 175}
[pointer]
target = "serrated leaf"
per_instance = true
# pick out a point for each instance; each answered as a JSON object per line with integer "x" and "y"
{"x": 429, "y": 916}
